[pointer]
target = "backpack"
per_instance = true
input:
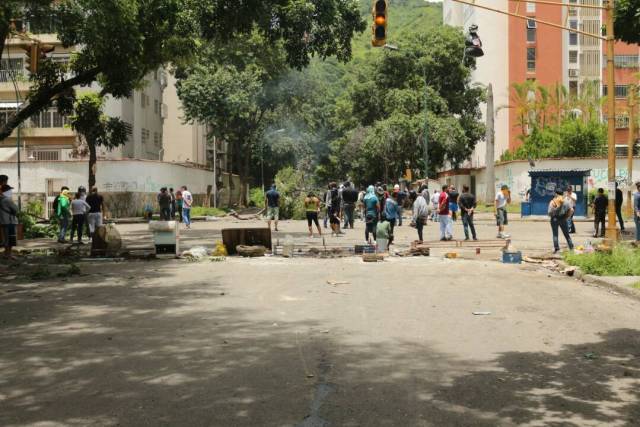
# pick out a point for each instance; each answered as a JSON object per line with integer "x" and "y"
{"x": 55, "y": 203}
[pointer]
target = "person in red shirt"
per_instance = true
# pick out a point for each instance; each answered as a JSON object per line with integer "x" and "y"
{"x": 443, "y": 211}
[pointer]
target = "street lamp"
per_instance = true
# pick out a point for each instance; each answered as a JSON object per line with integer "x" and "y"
{"x": 262, "y": 154}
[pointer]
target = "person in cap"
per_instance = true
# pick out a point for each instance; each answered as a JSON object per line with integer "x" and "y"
{"x": 8, "y": 220}
{"x": 503, "y": 198}
{"x": 4, "y": 180}
{"x": 559, "y": 210}
{"x": 63, "y": 213}
{"x": 401, "y": 197}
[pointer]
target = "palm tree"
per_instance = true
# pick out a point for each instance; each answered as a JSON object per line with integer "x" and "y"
{"x": 523, "y": 102}
{"x": 559, "y": 100}
{"x": 542, "y": 104}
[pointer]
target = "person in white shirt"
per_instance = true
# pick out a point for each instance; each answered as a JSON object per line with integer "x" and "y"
{"x": 435, "y": 199}
{"x": 503, "y": 197}
{"x": 573, "y": 200}
{"x": 79, "y": 209}
{"x": 187, "y": 202}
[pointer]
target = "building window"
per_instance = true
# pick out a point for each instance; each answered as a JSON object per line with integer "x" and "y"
{"x": 145, "y": 136}
{"x": 48, "y": 119}
{"x": 621, "y": 91}
{"x": 573, "y": 57}
{"x": 531, "y": 59}
{"x": 624, "y": 61}
{"x": 531, "y": 7}
{"x": 144, "y": 100}
{"x": 11, "y": 68}
{"x": 573, "y": 37}
{"x": 531, "y": 30}
{"x": 46, "y": 155}
{"x": 622, "y": 121}
{"x": 573, "y": 88}
{"x": 156, "y": 106}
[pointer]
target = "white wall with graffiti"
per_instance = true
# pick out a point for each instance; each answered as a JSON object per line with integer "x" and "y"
{"x": 515, "y": 174}
{"x": 134, "y": 181}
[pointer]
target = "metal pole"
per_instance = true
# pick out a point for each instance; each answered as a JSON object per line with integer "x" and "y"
{"x": 612, "y": 229}
{"x": 490, "y": 178}
{"x": 426, "y": 128}
{"x": 215, "y": 172}
{"x": 631, "y": 142}
{"x": 262, "y": 164}
{"x": 19, "y": 171}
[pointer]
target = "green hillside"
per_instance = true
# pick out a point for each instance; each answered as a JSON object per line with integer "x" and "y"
{"x": 405, "y": 17}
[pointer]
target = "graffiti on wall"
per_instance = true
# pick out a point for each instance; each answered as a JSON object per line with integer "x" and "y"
{"x": 544, "y": 186}
{"x": 146, "y": 186}
{"x": 600, "y": 177}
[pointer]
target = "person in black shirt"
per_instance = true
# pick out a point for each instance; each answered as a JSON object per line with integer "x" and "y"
{"x": 600, "y": 205}
{"x": 619, "y": 207}
{"x": 334, "y": 209}
{"x": 349, "y": 199}
{"x": 96, "y": 203}
{"x": 467, "y": 203}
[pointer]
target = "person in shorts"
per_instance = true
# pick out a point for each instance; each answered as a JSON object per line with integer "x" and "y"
{"x": 312, "y": 209}
{"x": 272, "y": 201}
{"x": 96, "y": 203}
{"x": 503, "y": 198}
{"x": 8, "y": 220}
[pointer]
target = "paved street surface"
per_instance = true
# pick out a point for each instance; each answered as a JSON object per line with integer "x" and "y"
{"x": 268, "y": 342}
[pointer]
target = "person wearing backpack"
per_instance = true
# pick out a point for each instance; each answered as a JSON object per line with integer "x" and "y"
{"x": 559, "y": 210}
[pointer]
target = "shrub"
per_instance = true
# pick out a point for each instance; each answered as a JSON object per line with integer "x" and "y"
{"x": 256, "y": 197}
{"x": 620, "y": 261}
{"x": 202, "y": 211}
{"x": 290, "y": 184}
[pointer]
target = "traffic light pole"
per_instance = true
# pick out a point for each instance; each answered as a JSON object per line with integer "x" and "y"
{"x": 631, "y": 144}
{"x": 426, "y": 129}
{"x": 612, "y": 234}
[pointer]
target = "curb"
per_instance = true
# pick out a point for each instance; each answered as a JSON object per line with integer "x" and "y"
{"x": 597, "y": 281}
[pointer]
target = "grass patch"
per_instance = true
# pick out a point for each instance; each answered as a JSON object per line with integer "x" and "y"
{"x": 620, "y": 262}
{"x": 512, "y": 208}
{"x": 636, "y": 286}
{"x": 202, "y": 211}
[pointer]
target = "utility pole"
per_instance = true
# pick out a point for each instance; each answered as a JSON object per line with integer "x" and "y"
{"x": 490, "y": 150}
{"x": 631, "y": 143}
{"x": 215, "y": 172}
{"x": 612, "y": 229}
{"x": 426, "y": 128}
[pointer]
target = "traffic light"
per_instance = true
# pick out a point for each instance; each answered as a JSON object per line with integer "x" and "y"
{"x": 35, "y": 53}
{"x": 380, "y": 14}
{"x": 33, "y": 56}
{"x": 473, "y": 44}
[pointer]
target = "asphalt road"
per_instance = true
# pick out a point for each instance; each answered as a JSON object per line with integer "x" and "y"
{"x": 268, "y": 342}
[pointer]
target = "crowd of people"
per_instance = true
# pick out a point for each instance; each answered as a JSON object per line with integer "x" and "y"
{"x": 175, "y": 205}
{"x": 379, "y": 207}
{"x": 382, "y": 210}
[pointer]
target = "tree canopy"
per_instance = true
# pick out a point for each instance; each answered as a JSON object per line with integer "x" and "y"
{"x": 122, "y": 41}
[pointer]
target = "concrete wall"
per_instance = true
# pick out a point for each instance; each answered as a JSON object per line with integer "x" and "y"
{"x": 515, "y": 174}
{"x": 127, "y": 184}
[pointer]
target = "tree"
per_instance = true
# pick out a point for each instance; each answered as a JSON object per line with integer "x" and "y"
{"x": 122, "y": 41}
{"x": 383, "y": 108}
{"x": 627, "y": 21}
{"x": 95, "y": 129}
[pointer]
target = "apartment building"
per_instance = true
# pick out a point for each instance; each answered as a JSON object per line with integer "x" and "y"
{"x": 47, "y": 136}
{"x": 519, "y": 49}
